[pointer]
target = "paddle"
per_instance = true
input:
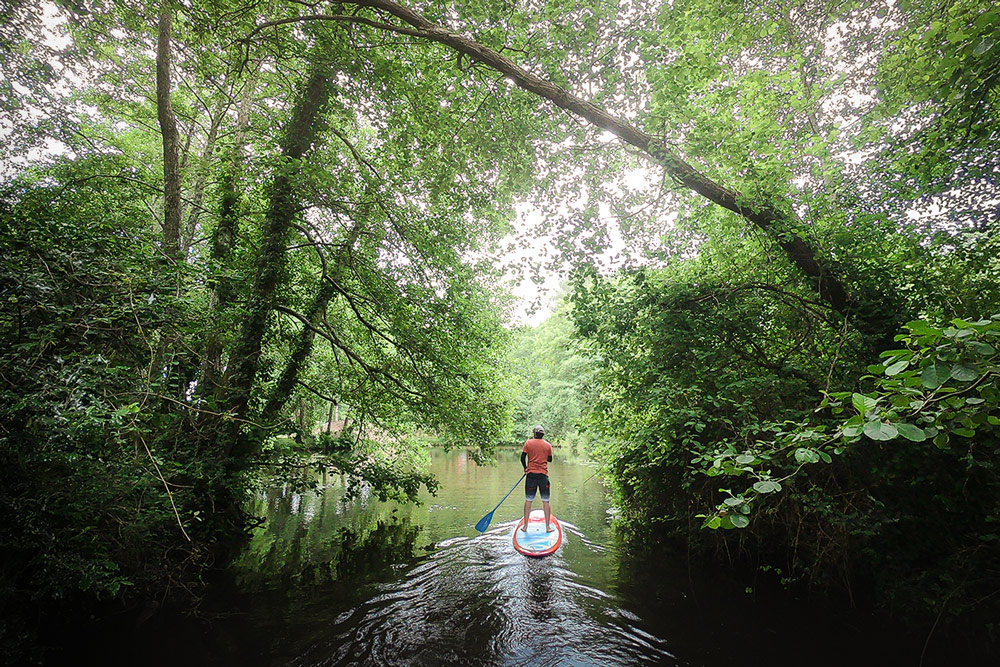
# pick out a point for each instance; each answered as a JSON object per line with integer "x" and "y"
{"x": 484, "y": 523}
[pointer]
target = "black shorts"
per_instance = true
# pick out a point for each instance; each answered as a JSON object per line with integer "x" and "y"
{"x": 536, "y": 481}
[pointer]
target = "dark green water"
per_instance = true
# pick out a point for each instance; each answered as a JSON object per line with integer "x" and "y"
{"x": 327, "y": 582}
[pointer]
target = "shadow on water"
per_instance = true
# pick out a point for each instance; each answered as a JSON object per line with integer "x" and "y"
{"x": 713, "y": 618}
{"x": 265, "y": 615}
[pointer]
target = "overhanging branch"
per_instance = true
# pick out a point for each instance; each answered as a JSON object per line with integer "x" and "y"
{"x": 774, "y": 217}
{"x": 378, "y": 375}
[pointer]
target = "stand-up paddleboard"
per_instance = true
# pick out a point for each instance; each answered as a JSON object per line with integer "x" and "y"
{"x": 537, "y": 542}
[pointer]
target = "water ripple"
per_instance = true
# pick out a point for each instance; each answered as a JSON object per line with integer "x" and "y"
{"x": 475, "y": 601}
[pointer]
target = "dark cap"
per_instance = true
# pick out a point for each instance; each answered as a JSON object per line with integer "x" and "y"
{"x": 538, "y": 431}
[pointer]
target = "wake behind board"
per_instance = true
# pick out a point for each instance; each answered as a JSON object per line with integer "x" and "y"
{"x": 536, "y": 542}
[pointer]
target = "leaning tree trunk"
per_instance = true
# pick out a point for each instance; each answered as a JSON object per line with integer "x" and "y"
{"x": 203, "y": 168}
{"x": 301, "y": 131}
{"x": 303, "y": 347}
{"x": 775, "y": 218}
{"x": 223, "y": 241}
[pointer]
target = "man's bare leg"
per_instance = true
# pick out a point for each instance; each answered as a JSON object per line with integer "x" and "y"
{"x": 527, "y": 511}
{"x": 548, "y": 516}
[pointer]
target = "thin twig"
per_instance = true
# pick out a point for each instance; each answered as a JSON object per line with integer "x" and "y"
{"x": 166, "y": 488}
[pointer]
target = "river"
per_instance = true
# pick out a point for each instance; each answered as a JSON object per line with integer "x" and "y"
{"x": 332, "y": 582}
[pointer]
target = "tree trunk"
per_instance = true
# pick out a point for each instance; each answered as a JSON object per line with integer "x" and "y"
{"x": 302, "y": 129}
{"x": 223, "y": 241}
{"x": 204, "y": 166}
{"x": 303, "y": 347}
{"x": 300, "y": 421}
{"x": 168, "y": 130}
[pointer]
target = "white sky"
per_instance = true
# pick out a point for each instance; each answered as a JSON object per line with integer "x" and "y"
{"x": 536, "y": 301}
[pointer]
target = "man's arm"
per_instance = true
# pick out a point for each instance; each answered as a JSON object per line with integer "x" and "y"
{"x": 524, "y": 460}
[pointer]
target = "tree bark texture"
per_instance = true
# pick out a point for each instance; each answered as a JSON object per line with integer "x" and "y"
{"x": 168, "y": 130}
{"x": 302, "y": 129}
{"x": 777, "y": 222}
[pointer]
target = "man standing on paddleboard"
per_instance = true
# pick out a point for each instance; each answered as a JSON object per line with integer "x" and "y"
{"x": 535, "y": 459}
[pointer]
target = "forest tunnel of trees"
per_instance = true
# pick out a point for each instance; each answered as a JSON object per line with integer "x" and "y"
{"x": 219, "y": 220}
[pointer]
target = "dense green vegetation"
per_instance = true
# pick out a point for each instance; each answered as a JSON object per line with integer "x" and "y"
{"x": 851, "y": 453}
{"x": 219, "y": 221}
{"x": 312, "y": 241}
{"x": 555, "y": 381}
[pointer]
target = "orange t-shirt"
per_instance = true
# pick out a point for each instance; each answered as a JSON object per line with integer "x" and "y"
{"x": 538, "y": 451}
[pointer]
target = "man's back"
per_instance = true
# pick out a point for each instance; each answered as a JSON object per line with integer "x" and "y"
{"x": 539, "y": 452}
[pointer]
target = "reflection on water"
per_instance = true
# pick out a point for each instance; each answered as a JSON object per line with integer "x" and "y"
{"x": 452, "y": 597}
{"x": 310, "y": 539}
{"x": 478, "y": 602}
{"x": 327, "y": 582}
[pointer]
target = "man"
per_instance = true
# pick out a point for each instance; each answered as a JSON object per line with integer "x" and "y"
{"x": 535, "y": 458}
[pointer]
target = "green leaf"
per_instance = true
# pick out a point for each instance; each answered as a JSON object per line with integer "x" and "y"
{"x": 935, "y": 375}
{"x": 732, "y": 502}
{"x": 984, "y": 349}
{"x": 964, "y": 373}
{"x": 878, "y": 430}
{"x": 863, "y": 404}
{"x": 897, "y": 368}
{"x": 911, "y": 432}
{"x": 921, "y": 328}
{"x": 739, "y": 520}
{"x": 765, "y": 486}
{"x": 803, "y": 455}
{"x": 983, "y": 46}
{"x": 744, "y": 459}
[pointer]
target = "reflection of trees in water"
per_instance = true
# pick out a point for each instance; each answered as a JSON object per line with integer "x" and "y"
{"x": 392, "y": 541}
{"x": 298, "y": 557}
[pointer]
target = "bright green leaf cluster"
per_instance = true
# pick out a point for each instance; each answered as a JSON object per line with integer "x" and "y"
{"x": 944, "y": 382}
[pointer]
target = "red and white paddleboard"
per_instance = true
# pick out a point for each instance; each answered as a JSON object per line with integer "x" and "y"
{"x": 537, "y": 542}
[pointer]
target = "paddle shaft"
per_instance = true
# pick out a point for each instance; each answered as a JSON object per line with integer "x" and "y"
{"x": 485, "y": 521}
{"x": 509, "y": 492}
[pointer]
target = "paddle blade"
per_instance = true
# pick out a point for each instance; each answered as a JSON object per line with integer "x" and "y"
{"x": 484, "y": 523}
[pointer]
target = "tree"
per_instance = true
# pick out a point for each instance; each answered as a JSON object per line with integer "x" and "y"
{"x": 326, "y": 184}
{"x": 168, "y": 130}
{"x": 324, "y": 224}
{"x": 713, "y": 367}
{"x": 773, "y": 217}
